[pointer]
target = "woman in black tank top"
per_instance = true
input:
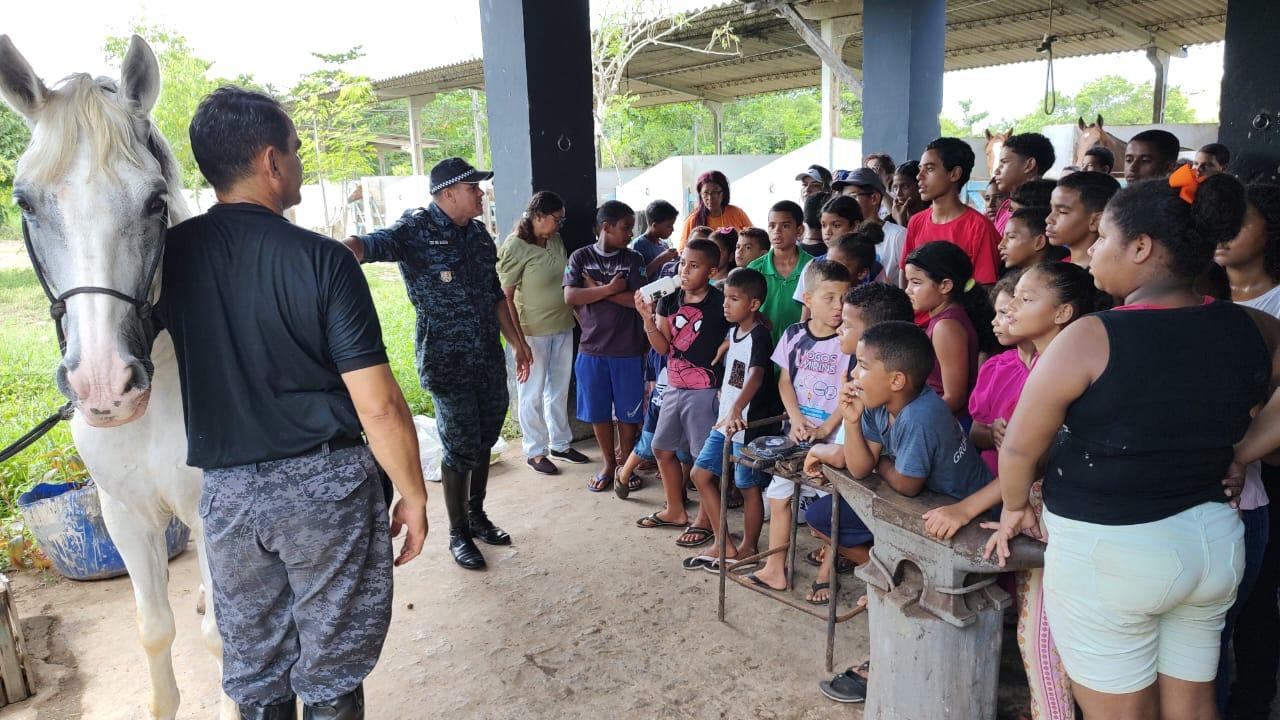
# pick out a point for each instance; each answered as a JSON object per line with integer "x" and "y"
{"x": 1145, "y": 403}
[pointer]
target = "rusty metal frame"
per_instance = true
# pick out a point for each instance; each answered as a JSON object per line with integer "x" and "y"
{"x": 795, "y": 475}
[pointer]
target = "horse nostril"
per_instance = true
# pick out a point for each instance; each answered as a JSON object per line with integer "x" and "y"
{"x": 138, "y": 377}
{"x": 62, "y": 379}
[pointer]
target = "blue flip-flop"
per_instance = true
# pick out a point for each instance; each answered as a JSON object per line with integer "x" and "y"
{"x": 606, "y": 483}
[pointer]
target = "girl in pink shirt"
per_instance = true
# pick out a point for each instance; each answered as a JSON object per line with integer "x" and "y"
{"x": 1000, "y": 379}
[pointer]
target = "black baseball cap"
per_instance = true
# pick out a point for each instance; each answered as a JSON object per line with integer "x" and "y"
{"x": 862, "y": 177}
{"x": 450, "y": 171}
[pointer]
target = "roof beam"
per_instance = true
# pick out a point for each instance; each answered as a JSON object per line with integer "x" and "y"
{"x": 829, "y": 56}
{"x": 690, "y": 90}
{"x": 1124, "y": 27}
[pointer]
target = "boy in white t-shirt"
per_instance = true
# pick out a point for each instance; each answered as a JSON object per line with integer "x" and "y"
{"x": 811, "y": 365}
{"x": 746, "y": 394}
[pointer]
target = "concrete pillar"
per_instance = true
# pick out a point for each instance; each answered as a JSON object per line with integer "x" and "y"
{"x": 1249, "y": 118}
{"x": 717, "y": 124}
{"x": 1160, "y": 61}
{"x": 830, "y": 90}
{"x": 416, "y": 103}
{"x": 902, "y": 56}
{"x": 537, "y": 72}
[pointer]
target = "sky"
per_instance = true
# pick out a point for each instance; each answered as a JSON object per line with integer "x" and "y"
{"x": 273, "y": 41}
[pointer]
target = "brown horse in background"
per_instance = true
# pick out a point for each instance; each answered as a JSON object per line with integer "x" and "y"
{"x": 994, "y": 144}
{"x": 1094, "y": 134}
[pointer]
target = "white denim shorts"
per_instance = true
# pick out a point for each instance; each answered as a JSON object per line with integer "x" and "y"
{"x": 1128, "y": 602}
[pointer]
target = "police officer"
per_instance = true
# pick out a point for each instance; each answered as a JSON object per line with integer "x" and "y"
{"x": 448, "y": 261}
{"x": 281, "y": 363}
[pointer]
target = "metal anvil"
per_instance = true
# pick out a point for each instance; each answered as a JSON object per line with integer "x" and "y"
{"x": 948, "y": 588}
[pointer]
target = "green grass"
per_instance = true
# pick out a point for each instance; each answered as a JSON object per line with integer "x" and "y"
{"x": 29, "y": 355}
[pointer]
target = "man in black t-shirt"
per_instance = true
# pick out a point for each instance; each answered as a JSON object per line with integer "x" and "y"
{"x": 282, "y": 366}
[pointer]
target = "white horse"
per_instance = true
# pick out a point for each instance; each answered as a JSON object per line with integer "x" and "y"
{"x": 97, "y": 186}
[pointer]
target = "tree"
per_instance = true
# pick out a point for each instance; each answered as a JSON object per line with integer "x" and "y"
{"x": 331, "y": 109}
{"x": 184, "y": 82}
{"x": 14, "y": 136}
{"x": 1119, "y": 101}
{"x": 626, "y": 28}
{"x": 970, "y": 123}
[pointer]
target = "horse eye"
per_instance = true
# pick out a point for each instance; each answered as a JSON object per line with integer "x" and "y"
{"x": 24, "y": 206}
{"x": 156, "y": 206}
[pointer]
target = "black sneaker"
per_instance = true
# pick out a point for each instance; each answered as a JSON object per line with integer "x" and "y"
{"x": 542, "y": 465}
{"x": 847, "y": 687}
{"x": 570, "y": 455}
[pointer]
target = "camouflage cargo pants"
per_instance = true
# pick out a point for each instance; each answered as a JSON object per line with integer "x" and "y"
{"x": 300, "y": 551}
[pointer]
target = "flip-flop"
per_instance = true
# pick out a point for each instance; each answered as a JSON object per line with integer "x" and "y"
{"x": 814, "y": 588}
{"x": 621, "y": 489}
{"x": 844, "y": 566}
{"x": 813, "y": 558}
{"x": 634, "y": 483}
{"x": 599, "y": 483}
{"x": 704, "y": 536}
{"x": 697, "y": 562}
{"x": 653, "y": 521}
{"x": 760, "y": 583}
{"x": 713, "y": 567}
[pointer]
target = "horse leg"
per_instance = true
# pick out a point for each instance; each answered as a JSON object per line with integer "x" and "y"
{"x": 146, "y": 557}
{"x": 227, "y": 709}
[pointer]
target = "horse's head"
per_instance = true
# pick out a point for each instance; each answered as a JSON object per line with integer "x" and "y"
{"x": 95, "y": 188}
{"x": 995, "y": 142}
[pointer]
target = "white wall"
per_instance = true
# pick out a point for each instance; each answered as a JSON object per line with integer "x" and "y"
{"x": 775, "y": 180}
{"x": 673, "y": 179}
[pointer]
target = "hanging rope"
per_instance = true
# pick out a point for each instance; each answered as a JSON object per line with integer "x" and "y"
{"x": 1050, "y": 103}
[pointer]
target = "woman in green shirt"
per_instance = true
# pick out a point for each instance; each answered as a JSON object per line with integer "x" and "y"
{"x": 531, "y": 267}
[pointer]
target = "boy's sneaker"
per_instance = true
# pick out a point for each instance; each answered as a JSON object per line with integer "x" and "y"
{"x": 805, "y": 501}
{"x": 847, "y": 687}
{"x": 570, "y": 455}
{"x": 542, "y": 465}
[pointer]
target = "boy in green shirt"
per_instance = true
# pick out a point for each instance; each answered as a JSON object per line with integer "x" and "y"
{"x": 782, "y": 266}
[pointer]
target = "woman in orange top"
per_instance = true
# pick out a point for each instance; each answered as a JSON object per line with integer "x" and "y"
{"x": 714, "y": 209}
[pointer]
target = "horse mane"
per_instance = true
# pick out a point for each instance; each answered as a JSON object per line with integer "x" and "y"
{"x": 82, "y": 110}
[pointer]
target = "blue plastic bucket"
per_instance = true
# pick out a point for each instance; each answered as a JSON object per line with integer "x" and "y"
{"x": 66, "y": 520}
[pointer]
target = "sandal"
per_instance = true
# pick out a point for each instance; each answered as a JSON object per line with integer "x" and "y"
{"x": 634, "y": 483}
{"x": 621, "y": 489}
{"x": 653, "y": 521}
{"x": 760, "y": 583}
{"x": 713, "y": 567}
{"x": 813, "y": 590}
{"x": 844, "y": 566}
{"x": 702, "y": 535}
{"x": 599, "y": 483}
{"x": 735, "y": 499}
{"x": 698, "y": 562}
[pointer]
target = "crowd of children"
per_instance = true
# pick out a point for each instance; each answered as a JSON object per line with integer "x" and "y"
{"x": 899, "y": 332}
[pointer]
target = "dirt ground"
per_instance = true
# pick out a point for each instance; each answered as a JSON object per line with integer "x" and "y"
{"x": 585, "y": 616}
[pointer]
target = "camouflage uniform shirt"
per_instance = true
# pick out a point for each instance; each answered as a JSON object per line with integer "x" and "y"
{"x": 451, "y": 275}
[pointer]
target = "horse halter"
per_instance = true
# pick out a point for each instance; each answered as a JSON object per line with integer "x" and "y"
{"x": 141, "y": 303}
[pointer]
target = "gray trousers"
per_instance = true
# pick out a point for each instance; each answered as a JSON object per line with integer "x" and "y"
{"x": 300, "y": 552}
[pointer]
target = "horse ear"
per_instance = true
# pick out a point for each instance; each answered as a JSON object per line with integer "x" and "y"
{"x": 19, "y": 85}
{"x": 140, "y": 77}
{"x": 988, "y": 132}
{"x": 1080, "y": 123}
{"x": 1099, "y": 121}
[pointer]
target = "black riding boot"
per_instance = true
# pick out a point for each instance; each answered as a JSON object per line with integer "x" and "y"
{"x": 464, "y": 551}
{"x": 345, "y": 707}
{"x": 481, "y": 527}
{"x": 283, "y": 710}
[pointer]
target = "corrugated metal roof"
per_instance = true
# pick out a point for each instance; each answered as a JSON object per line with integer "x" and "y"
{"x": 771, "y": 56}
